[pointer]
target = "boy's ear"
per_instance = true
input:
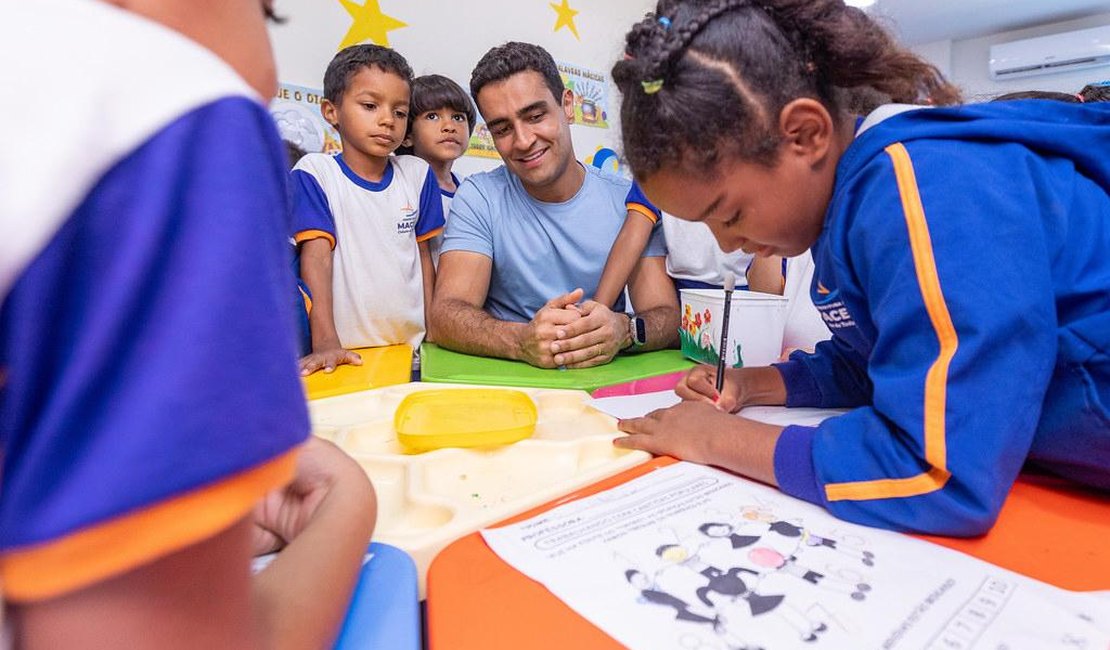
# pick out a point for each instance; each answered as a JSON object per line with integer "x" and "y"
{"x": 407, "y": 142}
{"x": 807, "y": 129}
{"x": 330, "y": 113}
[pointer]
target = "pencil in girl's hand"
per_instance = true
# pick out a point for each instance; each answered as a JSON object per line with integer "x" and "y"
{"x": 730, "y": 284}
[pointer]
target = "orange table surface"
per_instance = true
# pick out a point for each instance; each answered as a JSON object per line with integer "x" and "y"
{"x": 1048, "y": 530}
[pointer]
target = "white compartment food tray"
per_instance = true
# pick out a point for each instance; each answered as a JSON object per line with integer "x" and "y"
{"x": 426, "y": 501}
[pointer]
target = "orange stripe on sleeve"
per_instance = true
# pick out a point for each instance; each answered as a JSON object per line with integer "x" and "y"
{"x": 428, "y": 235}
{"x": 307, "y": 301}
{"x": 642, "y": 209}
{"x": 306, "y": 235}
{"x": 119, "y": 545}
{"x": 936, "y": 379}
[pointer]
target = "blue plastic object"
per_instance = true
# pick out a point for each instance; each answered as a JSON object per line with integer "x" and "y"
{"x": 385, "y": 608}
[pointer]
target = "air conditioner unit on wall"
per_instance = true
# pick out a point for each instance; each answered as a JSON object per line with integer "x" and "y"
{"x": 1067, "y": 52}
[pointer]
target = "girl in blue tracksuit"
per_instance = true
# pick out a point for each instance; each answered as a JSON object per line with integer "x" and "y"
{"x": 962, "y": 260}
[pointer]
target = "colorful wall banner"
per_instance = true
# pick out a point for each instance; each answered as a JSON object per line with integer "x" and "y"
{"x": 481, "y": 143}
{"x": 296, "y": 109}
{"x": 591, "y": 94}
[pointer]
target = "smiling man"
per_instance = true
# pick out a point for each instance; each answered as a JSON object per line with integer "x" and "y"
{"x": 526, "y": 242}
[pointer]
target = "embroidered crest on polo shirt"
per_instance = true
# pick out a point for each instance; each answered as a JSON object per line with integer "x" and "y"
{"x": 408, "y": 220}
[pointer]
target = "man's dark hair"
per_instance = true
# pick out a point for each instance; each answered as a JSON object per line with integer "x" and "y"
{"x": 349, "y": 61}
{"x": 432, "y": 92}
{"x": 513, "y": 57}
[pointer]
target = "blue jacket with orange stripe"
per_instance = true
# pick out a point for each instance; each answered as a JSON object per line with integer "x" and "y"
{"x": 964, "y": 269}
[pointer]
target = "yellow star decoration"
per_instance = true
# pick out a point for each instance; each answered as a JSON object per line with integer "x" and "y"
{"x": 566, "y": 17}
{"x": 370, "y": 24}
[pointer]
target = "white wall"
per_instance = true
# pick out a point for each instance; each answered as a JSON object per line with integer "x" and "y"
{"x": 968, "y": 60}
{"x": 448, "y": 38}
{"x": 939, "y": 53}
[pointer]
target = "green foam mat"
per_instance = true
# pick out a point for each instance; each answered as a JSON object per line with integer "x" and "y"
{"x": 445, "y": 366}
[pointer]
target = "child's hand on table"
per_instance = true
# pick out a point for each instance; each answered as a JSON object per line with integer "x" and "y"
{"x": 699, "y": 432}
{"x": 326, "y": 478}
{"x": 700, "y": 385}
{"x": 702, "y": 428}
{"x": 328, "y": 359}
{"x": 321, "y": 522}
{"x": 684, "y": 431}
{"x": 742, "y": 387}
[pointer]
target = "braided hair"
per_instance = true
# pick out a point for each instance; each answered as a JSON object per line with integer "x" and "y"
{"x": 705, "y": 80}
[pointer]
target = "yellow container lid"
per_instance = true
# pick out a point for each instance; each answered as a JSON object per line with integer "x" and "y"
{"x": 468, "y": 417}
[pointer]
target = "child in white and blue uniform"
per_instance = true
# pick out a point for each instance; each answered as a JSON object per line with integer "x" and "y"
{"x": 149, "y": 397}
{"x": 364, "y": 241}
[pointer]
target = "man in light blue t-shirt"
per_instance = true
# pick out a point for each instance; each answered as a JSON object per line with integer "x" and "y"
{"x": 526, "y": 242}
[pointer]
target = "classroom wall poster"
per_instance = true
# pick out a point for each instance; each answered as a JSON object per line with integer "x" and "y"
{"x": 481, "y": 143}
{"x": 591, "y": 94}
{"x": 296, "y": 109}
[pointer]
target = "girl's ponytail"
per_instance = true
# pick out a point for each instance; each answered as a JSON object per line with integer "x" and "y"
{"x": 851, "y": 50}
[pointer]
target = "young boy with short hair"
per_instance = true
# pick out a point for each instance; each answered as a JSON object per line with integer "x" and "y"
{"x": 441, "y": 120}
{"x": 363, "y": 218}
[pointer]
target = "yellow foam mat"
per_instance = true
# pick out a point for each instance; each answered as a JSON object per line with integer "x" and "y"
{"x": 380, "y": 367}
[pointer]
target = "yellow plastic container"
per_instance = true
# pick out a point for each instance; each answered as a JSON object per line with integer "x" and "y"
{"x": 476, "y": 417}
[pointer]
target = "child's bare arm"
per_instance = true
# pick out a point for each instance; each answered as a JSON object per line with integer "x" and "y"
{"x": 203, "y": 596}
{"x": 428, "y": 271}
{"x": 198, "y": 597}
{"x": 627, "y": 249}
{"x": 327, "y": 351}
{"x": 765, "y": 275}
{"x": 322, "y": 523}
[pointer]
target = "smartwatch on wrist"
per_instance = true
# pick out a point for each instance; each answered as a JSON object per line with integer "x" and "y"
{"x": 637, "y": 330}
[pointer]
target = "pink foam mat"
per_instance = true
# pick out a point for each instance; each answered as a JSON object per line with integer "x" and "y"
{"x": 641, "y": 386}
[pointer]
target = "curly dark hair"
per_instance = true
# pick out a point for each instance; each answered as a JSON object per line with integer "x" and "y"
{"x": 506, "y": 60}
{"x": 1099, "y": 92}
{"x": 702, "y": 81}
{"x": 350, "y": 60}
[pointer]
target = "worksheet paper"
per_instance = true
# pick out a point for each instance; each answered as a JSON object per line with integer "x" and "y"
{"x": 633, "y": 406}
{"x": 690, "y": 557}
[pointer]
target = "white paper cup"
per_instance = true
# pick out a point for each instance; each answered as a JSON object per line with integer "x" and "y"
{"x": 756, "y": 324}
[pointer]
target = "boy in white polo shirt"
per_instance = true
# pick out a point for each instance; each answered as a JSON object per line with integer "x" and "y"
{"x": 363, "y": 218}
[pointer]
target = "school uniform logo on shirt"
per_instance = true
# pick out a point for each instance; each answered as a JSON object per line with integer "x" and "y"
{"x": 832, "y": 309}
{"x": 407, "y": 224}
